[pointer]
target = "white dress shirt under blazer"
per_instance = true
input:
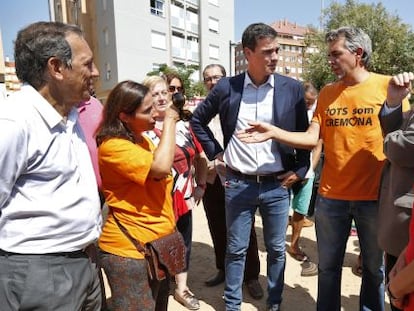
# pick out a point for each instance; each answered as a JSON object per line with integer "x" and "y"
{"x": 257, "y": 158}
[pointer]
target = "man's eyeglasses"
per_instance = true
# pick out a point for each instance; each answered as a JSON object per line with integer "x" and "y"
{"x": 210, "y": 79}
{"x": 173, "y": 88}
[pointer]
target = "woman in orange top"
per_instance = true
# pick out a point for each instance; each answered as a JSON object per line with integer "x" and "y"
{"x": 137, "y": 184}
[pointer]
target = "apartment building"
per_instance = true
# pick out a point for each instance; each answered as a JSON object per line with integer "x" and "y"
{"x": 11, "y": 81}
{"x": 130, "y": 38}
{"x": 8, "y": 79}
{"x": 292, "y": 50}
{"x": 2, "y": 71}
{"x": 2, "y": 67}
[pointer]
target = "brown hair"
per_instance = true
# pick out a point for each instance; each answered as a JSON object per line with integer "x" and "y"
{"x": 223, "y": 71}
{"x": 171, "y": 76}
{"x": 125, "y": 97}
{"x": 308, "y": 87}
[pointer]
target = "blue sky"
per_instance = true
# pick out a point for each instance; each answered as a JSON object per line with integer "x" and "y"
{"x": 303, "y": 12}
{"x": 15, "y": 14}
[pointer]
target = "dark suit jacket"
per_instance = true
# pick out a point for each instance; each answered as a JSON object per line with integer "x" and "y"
{"x": 289, "y": 113}
{"x": 397, "y": 181}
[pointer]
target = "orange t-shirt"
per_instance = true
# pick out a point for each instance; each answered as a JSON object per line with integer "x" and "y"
{"x": 352, "y": 138}
{"x": 143, "y": 205}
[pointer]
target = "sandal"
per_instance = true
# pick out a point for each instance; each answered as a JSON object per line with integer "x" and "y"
{"x": 307, "y": 223}
{"x": 301, "y": 256}
{"x": 187, "y": 299}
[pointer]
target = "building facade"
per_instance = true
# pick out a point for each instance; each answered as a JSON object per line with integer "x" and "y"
{"x": 2, "y": 67}
{"x": 291, "y": 38}
{"x": 2, "y": 71}
{"x": 130, "y": 38}
{"x": 8, "y": 79}
{"x": 11, "y": 82}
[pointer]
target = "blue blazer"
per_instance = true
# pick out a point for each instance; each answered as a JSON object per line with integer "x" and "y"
{"x": 289, "y": 113}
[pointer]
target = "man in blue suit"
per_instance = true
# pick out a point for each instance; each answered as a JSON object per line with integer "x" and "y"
{"x": 257, "y": 175}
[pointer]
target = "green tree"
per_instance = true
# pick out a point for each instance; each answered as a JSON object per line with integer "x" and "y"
{"x": 192, "y": 88}
{"x": 392, "y": 40}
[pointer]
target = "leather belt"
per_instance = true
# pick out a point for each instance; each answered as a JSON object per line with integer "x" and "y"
{"x": 74, "y": 254}
{"x": 257, "y": 178}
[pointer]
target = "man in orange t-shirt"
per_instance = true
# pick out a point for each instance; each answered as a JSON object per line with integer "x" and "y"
{"x": 346, "y": 119}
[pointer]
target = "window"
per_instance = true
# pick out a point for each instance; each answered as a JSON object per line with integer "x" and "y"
{"x": 213, "y": 51}
{"x": 157, "y": 7}
{"x": 106, "y": 36}
{"x": 108, "y": 73}
{"x": 158, "y": 40}
{"x": 213, "y": 25}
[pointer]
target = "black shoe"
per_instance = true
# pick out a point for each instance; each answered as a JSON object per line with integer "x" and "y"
{"x": 216, "y": 280}
{"x": 255, "y": 289}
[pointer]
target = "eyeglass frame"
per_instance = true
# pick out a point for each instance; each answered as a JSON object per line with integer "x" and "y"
{"x": 173, "y": 88}
{"x": 215, "y": 77}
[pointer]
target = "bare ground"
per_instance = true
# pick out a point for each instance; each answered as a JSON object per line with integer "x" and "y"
{"x": 299, "y": 292}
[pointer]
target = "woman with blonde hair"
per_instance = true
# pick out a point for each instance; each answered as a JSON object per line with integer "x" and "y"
{"x": 189, "y": 165}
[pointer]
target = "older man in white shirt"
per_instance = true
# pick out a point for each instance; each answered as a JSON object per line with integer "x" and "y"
{"x": 49, "y": 204}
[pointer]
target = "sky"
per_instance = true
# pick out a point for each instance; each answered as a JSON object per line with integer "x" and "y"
{"x": 303, "y": 12}
{"x": 15, "y": 14}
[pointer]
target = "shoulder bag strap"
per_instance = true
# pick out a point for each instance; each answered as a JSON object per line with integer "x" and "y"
{"x": 136, "y": 243}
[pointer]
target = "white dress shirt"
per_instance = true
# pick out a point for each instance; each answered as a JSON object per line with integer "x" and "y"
{"x": 48, "y": 193}
{"x": 214, "y": 167}
{"x": 257, "y": 158}
{"x": 311, "y": 173}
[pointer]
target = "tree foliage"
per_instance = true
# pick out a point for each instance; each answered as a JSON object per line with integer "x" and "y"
{"x": 392, "y": 40}
{"x": 192, "y": 88}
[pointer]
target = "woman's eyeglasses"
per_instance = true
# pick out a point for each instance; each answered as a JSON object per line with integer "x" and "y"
{"x": 173, "y": 88}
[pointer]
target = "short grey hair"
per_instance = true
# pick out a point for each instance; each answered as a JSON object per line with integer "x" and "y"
{"x": 36, "y": 44}
{"x": 354, "y": 38}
